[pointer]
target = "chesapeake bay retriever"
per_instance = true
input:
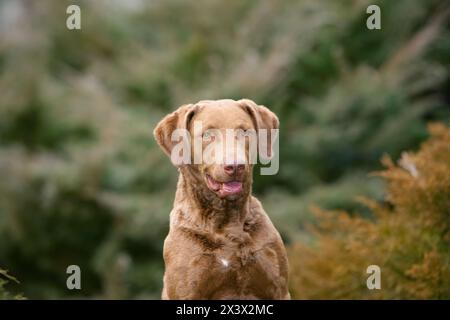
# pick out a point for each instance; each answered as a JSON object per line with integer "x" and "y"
{"x": 221, "y": 243}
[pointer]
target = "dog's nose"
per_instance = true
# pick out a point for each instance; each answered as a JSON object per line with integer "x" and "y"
{"x": 232, "y": 169}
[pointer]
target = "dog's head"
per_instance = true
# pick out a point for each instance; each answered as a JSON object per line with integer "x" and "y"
{"x": 216, "y": 140}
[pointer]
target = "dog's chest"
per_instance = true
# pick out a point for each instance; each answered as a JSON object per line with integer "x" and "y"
{"x": 235, "y": 263}
{"x": 230, "y": 259}
{"x": 245, "y": 272}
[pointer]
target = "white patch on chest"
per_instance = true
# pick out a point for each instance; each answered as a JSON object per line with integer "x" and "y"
{"x": 224, "y": 262}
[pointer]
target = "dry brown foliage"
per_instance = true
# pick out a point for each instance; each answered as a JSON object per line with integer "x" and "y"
{"x": 408, "y": 236}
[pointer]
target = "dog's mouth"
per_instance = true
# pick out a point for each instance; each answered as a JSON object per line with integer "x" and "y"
{"x": 224, "y": 189}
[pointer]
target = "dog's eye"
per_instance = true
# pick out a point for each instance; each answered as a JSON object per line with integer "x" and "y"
{"x": 207, "y": 135}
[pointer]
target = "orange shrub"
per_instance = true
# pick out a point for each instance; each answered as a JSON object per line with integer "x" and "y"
{"x": 408, "y": 236}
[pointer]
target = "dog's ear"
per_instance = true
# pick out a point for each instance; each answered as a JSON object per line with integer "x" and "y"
{"x": 179, "y": 119}
{"x": 262, "y": 118}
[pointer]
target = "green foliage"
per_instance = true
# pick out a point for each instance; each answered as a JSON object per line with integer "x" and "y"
{"x": 82, "y": 180}
{"x": 4, "y": 279}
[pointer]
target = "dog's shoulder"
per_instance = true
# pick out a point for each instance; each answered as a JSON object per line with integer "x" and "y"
{"x": 258, "y": 220}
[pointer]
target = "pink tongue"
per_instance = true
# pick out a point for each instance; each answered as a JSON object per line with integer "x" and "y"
{"x": 231, "y": 187}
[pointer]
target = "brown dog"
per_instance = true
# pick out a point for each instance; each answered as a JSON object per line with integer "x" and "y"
{"x": 221, "y": 243}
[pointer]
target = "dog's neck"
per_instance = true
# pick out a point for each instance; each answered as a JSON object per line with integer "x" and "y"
{"x": 207, "y": 210}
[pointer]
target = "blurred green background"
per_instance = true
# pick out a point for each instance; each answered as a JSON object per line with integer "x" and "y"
{"x": 82, "y": 180}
